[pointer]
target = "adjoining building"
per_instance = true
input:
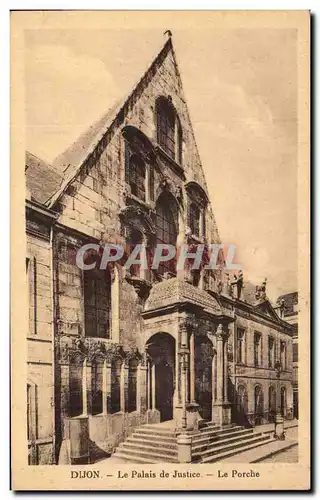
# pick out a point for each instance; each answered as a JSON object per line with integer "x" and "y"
{"x": 288, "y": 306}
{"x": 110, "y": 350}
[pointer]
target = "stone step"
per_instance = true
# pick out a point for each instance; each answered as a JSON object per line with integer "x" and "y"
{"x": 156, "y": 431}
{"x": 129, "y": 458}
{"x": 230, "y": 453}
{"x": 150, "y": 456}
{"x": 217, "y": 432}
{"x": 170, "y": 444}
{"x": 147, "y": 435}
{"x": 205, "y": 442}
{"x": 233, "y": 446}
{"x": 137, "y": 447}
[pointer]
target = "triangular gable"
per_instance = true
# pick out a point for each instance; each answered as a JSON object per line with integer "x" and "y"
{"x": 267, "y": 309}
{"x": 84, "y": 147}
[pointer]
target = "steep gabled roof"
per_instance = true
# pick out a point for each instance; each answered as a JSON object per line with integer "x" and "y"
{"x": 42, "y": 179}
{"x": 80, "y": 151}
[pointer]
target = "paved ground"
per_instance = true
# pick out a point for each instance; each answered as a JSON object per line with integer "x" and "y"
{"x": 286, "y": 457}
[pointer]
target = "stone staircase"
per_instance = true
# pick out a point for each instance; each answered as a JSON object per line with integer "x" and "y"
{"x": 155, "y": 443}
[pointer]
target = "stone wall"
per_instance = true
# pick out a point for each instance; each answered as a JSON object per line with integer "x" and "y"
{"x": 39, "y": 356}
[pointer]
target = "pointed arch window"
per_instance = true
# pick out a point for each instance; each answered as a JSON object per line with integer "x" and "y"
{"x": 166, "y": 230}
{"x": 169, "y": 131}
{"x": 137, "y": 177}
{"x": 97, "y": 303}
{"x": 195, "y": 219}
{"x": 197, "y": 207}
{"x": 134, "y": 238}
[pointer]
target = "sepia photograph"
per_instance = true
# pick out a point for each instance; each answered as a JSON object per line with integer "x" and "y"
{"x": 162, "y": 299}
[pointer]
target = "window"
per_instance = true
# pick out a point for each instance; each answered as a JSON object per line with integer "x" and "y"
{"x": 75, "y": 388}
{"x": 271, "y": 352}
{"x": 137, "y": 175}
{"x": 194, "y": 216}
{"x": 197, "y": 202}
{"x": 32, "y": 297}
{"x": 132, "y": 385}
{"x": 241, "y": 347}
{"x": 135, "y": 238}
{"x": 115, "y": 385}
{"x": 139, "y": 163}
{"x": 97, "y": 385}
{"x": 97, "y": 303}
{"x": 169, "y": 133}
{"x": 166, "y": 230}
{"x": 295, "y": 352}
{"x": 195, "y": 276}
{"x": 257, "y": 349}
{"x": 283, "y": 355}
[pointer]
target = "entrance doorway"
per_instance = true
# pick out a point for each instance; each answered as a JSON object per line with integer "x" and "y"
{"x": 272, "y": 403}
{"x": 258, "y": 405}
{"x": 161, "y": 348}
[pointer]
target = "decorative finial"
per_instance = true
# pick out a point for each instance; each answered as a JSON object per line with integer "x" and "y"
{"x": 168, "y": 32}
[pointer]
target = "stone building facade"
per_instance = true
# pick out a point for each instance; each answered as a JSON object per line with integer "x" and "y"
{"x": 113, "y": 349}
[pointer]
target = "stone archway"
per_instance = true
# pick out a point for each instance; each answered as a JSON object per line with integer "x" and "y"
{"x": 161, "y": 349}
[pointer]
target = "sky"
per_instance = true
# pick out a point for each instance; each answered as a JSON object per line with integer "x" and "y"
{"x": 241, "y": 90}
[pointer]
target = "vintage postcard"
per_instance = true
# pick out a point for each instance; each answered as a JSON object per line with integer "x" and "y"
{"x": 160, "y": 250}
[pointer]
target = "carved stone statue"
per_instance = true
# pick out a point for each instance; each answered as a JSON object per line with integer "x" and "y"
{"x": 261, "y": 291}
{"x": 229, "y": 286}
{"x": 282, "y": 307}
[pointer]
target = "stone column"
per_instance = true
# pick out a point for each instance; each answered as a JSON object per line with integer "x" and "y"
{"x": 106, "y": 386}
{"x": 220, "y": 372}
{"x": 225, "y": 370}
{"x": 65, "y": 390}
{"x": 148, "y": 385}
{"x": 192, "y": 368}
{"x": 184, "y": 344}
{"x": 141, "y": 388}
{"x": 221, "y": 408}
{"x": 213, "y": 377}
{"x": 84, "y": 388}
{"x": 153, "y": 386}
{"x": 123, "y": 387}
{"x": 177, "y": 394}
